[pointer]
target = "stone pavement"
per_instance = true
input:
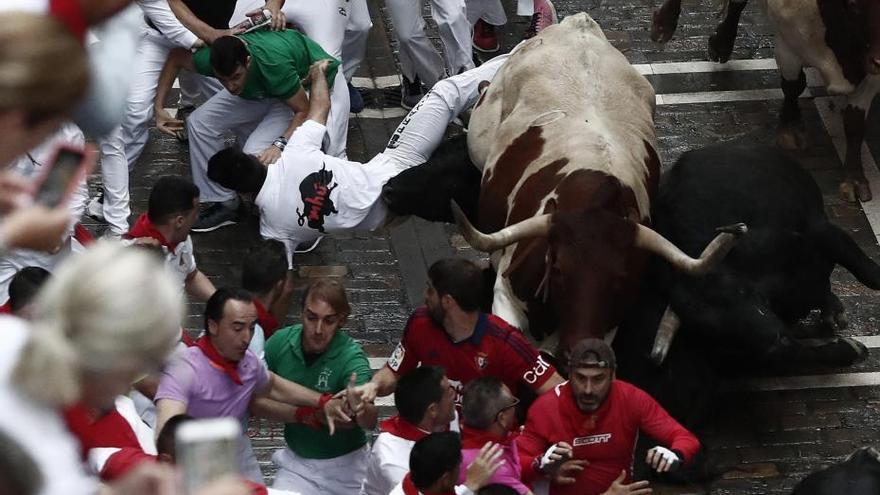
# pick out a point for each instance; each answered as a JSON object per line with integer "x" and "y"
{"x": 761, "y": 441}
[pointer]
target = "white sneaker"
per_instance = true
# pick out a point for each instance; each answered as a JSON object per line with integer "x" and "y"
{"x": 95, "y": 208}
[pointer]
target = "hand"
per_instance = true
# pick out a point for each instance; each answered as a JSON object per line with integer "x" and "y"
{"x": 334, "y": 411}
{"x": 146, "y": 479}
{"x": 35, "y": 227}
{"x": 168, "y": 124}
{"x": 317, "y": 70}
{"x": 146, "y": 241}
{"x": 554, "y": 457}
{"x": 566, "y": 473}
{"x": 15, "y": 192}
{"x": 662, "y": 459}
{"x": 484, "y": 466}
{"x": 354, "y": 398}
{"x": 367, "y": 391}
{"x": 619, "y": 488}
{"x": 219, "y": 33}
{"x": 269, "y": 155}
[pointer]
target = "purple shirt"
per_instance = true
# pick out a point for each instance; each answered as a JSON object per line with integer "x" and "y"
{"x": 208, "y": 392}
{"x": 510, "y": 472}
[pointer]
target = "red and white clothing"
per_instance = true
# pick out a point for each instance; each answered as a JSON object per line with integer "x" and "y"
{"x": 116, "y": 442}
{"x": 494, "y": 349}
{"x": 179, "y": 258}
{"x": 389, "y": 460}
{"x": 509, "y": 473}
{"x": 606, "y": 438}
{"x": 406, "y": 487}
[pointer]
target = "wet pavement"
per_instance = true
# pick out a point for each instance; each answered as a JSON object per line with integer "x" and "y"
{"x": 770, "y": 436}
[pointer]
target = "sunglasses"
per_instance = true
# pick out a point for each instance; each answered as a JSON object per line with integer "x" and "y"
{"x": 511, "y": 405}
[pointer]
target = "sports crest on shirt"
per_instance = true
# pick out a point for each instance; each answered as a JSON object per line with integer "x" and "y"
{"x": 315, "y": 190}
{"x": 482, "y": 360}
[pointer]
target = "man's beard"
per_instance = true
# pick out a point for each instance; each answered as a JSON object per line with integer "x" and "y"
{"x": 437, "y": 315}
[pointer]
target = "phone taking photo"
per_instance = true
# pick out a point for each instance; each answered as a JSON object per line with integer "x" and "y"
{"x": 207, "y": 449}
{"x": 67, "y": 169}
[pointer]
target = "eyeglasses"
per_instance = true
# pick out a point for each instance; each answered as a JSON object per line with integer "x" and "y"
{"x": 511, "y": 405}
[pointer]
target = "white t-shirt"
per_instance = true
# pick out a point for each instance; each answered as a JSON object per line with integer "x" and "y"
{"x": 308, "y": 193}
{"x": 388, "y": 464}
{"x": 181, "y": 262}
{"x": 39, "y": 430}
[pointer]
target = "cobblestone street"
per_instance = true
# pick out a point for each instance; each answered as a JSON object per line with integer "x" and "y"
{"x": 770, "y": 431}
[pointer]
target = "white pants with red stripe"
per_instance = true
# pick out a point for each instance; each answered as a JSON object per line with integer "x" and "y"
{"x": 417, "y": 54}
{"x": 341, "y": 475}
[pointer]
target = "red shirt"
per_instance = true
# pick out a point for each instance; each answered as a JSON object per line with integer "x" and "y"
{"x": 494, "y": 349}
{"x": 606, "y": 438}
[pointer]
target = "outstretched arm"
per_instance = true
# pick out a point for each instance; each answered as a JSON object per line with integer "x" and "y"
{"x": 178, "y": 58}
{"x": 319, "y": 97}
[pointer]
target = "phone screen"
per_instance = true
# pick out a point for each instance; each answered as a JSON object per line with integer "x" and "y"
{"x": 55, "y": 186}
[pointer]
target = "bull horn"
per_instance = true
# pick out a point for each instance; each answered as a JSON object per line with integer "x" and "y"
{"x": 538, "y": 226}
{"x": 649, "y": 240}
{"x": 665, "y": 333}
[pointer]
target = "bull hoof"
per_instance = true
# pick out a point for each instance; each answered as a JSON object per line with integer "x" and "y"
{"x": 854, "y": 190}
{"x": 719, "y": 49}
{"x": 791, "y": 138}
{"x": 663, "y": 25}
{"x": 835, "y": 321}
{"x": 859, "y": 350}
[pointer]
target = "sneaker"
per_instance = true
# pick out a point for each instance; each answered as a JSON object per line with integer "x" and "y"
{"x": 356, "y": 100}
{"x": 485, "y": 39}
{"x": 95, "y": 208}
{"x": 410, "y": 92}
{"x": 545, "y": 15}
{"x": 216, "y": 215}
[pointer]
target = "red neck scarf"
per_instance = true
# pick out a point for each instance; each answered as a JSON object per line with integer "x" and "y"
{"x": 402, "y": 428}
{"x": 145, "y": 228}
{"x": 227, "y": 366}
{"x": 410, "y": 489}
{"x": 267, "y": 320}
{"x": 475, "y": 439}
{"x": 256, "y": 488}
{"x": 70, "y": 13}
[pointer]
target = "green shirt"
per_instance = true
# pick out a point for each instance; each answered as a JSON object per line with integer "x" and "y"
{"x": 329, "y": 373}
{"x": 280, "y": 60}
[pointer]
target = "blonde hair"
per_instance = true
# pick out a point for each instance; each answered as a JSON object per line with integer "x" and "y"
{"x": 108, "y": 307}
{"x": 44, "y": 70}
{"x": 330, "y": 291}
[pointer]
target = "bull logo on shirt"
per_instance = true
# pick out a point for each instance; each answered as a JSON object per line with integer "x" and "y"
{"x": 315, "y": 190}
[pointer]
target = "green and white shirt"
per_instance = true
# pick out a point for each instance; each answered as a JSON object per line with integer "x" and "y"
{"x": 329, "y": 373}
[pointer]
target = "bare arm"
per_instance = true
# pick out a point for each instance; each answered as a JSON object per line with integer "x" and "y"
{"x": 178, "y": 58}
{"x": 165, "y": 410}
{"x": 194, "y": 24}
{"x": 299, "y": 103}
{"x": 319, "y": 97}
{"x": 264, "y": 407}
{"x": 199, "y": 286}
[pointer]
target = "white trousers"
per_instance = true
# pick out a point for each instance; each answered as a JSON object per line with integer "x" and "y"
{"x": 341, "y": 475}
{"x": 121, "y": 148}
{"x": 422, "y": 130}
{"x": 417, "y": 54}
{"x": 354, "y": 42}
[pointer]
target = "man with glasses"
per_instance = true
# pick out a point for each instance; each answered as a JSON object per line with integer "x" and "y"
{"x": 581, "y": 435}
{"x": 488, "y": 414}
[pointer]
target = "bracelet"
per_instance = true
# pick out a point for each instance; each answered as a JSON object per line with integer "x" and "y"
{"x": 280, "y": 143}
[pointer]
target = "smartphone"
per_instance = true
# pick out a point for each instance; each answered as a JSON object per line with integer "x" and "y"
{"x": 255, "y": 22}
{"x": 66, "y": 170}
{"x": 207, "y": 449}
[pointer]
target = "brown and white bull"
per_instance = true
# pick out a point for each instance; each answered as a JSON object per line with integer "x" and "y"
{"x": 841, "y": 39}
{"x": 565, "y": 138}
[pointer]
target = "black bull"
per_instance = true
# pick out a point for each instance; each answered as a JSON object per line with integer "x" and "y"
{"x": 749, "y": 313}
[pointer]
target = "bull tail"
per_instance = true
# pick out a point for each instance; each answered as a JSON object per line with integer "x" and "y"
{"x": 840, "y": 247}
